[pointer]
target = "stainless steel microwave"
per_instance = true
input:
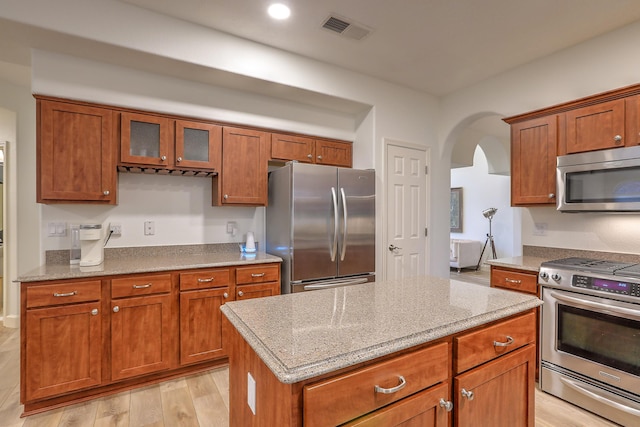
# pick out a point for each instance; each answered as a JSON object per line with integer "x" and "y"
{"x": 599, "y": 181}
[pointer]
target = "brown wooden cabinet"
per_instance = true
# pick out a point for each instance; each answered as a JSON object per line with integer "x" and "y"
{"x": 423, "y": 409}
{"x": 495, "y": 374}
{"x": 142, "y": 332}
{"x": 500, "y": 393}
{"x": 243, "y": 178}
{"x": 161, "y": 142}
{"x": 202, "y": 293}
{"x": 533, "y": 161}
{"x": 596, "y": 127}
{"x": 88, "y": 337}
{"x": 524, "y": 281}
{"x": 632, "y": 113}
{"x": 310, "y": 150}
{"x": 62, "y": 339}
{"x": 75, "y": 153}
{"x": 257, "y": 281}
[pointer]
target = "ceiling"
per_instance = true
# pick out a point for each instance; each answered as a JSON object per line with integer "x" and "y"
{"x": 436, "y": 46}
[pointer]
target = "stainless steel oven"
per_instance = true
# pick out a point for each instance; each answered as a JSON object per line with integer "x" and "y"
{"x": 590, "y": 339}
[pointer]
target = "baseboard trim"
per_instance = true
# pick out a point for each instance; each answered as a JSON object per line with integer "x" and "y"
{"x": 12, "y": 321}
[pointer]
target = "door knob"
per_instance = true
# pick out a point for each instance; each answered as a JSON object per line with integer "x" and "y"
{"x": 393, "y": 248}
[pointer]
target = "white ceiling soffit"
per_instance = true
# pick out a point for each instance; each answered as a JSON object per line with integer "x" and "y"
{"x": 436, "y": 46}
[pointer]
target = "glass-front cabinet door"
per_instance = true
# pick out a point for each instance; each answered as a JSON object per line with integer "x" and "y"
{"x": 146, "y": 140}
{"x": 198, "y": 145}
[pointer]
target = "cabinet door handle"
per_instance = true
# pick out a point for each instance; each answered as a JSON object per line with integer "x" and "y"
{"x": 391, "y": 390}
{"x": 179, "y": 159}
{"x": 310, "y": 156}
{"x": 240, "y": 293}
{"x": 446, "y": 404}
{"x": 617, "y": 139}
{"x": 163, "y": 158}
{"x": 226, "y": 196}
{"x": 68, "y": 294}
{"x": 257, "y": 274}
{"x": 514, "y": 281}
{"x": 145, "y": 286}
{"x": 319, "y": 157}
{"x": 94, "y": 312}
{"x": 207, "y": 280}
{"x": 551, "y": 195}
{"x": 116, "y": 309}
{"x": 225, "y": 295}
{"x": 467, "y": 394}
{"x": 503, "y": 344}
{"x": 105, "y": 192}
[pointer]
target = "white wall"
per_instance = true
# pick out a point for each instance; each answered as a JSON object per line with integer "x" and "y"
{"x": 481, "y": 190}
{"x": 570, "y": 74}
{"x": 21, "y": 237}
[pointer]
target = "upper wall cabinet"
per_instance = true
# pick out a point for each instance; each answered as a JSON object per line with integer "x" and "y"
{"x": 160, "y": 142}
{"x": 596, "y": 127}
{"x": 533, "y": 162}
{"x": 245, "y": 162}
{"x": 75, "y": 153}
{"x": 310, "y": 150}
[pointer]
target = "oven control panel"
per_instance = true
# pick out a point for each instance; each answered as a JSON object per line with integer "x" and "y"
{"x": 606, "y": 285}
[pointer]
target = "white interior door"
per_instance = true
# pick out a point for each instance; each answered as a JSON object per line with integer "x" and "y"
{"x": 406, "y": 211}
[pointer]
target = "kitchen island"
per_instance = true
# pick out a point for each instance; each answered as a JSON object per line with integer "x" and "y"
{"x": 383, "y": 353}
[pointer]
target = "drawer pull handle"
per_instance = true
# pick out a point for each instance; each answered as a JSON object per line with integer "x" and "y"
{"x": 210, "y": 279}
{"x": 467, "y": 394}
{"x": 446, "y": 404}
{"x": 391, "y": 390}
{"x": 515, "y": 281}
{"x": 68, "y": 294}
{"x": 257, "y": 274}
{"x": 145, "y": 286}
{"x": 503, "y": 344}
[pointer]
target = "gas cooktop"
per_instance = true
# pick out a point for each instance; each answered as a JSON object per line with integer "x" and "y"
{"x": 616, "y": 268}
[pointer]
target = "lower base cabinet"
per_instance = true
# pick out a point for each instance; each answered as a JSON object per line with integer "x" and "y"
{"x": 499, "y": 393}
{"x": 424, "y": 409}
{"x": 481, "y": 377}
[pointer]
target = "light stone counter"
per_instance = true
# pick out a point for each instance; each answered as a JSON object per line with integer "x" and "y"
{"x": 526, "y": 263}
{"x": 303, "y": 335}
{"x": 146, "y": 264}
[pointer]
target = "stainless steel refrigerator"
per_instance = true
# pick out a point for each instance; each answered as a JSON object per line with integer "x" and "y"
{"x": 321, "y": 221}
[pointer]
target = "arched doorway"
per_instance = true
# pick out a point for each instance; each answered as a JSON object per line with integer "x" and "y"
{"x": 480, "y": 167}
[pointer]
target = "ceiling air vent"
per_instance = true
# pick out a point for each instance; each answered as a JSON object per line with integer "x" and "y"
{"x": 345, "y": 27}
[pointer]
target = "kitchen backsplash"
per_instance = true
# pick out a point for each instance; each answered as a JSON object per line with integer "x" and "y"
{"x": 557, "y": 253}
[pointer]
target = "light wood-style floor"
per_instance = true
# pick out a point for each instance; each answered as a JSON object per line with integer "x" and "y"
{"x": 198, "y": 400}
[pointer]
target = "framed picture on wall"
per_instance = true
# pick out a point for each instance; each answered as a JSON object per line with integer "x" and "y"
{"x": 456, "y": 210}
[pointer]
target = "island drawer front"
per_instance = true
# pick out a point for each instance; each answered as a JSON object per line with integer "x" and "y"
{"x": 326, "y": 403}
{"x": 204, "y": 279}
{"x": 141, "y": 285}
{"x": 63, "y": 293}
{"x": 514, "y": 280}
{"x": 257, "y": 274}
{"x": 476, "y": 348}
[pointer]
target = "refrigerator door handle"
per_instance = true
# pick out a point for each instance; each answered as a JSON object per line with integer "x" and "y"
{"x": 334, "y": 246}
{"x": 344, "y": 219}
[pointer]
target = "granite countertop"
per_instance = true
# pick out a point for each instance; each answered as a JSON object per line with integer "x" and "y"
{"x": 527, "y": 263}
{"x": 146, "y": 264}
{"x": 303, "y": 335}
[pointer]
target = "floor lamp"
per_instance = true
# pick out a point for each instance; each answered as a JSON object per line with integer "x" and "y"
{"x": 488, "y": 213}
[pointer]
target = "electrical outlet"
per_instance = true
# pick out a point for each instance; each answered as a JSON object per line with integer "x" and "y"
{"x": 251, "y": 393}
{"x": 149, "y": 228}
{"x": 116, "y": 230}
{"x": 540, "y": 228}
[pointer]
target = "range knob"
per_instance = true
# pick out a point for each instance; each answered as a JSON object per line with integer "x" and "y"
{"x": 544, "y": 275}
{"x": 556, "y": 277}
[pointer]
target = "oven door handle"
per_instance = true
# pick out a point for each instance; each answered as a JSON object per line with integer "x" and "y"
{"x": 624, "y": 312}
{"x": 592, "y": 394}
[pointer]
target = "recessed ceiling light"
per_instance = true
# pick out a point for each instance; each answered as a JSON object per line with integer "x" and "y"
{"x": 279, "y": 11}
